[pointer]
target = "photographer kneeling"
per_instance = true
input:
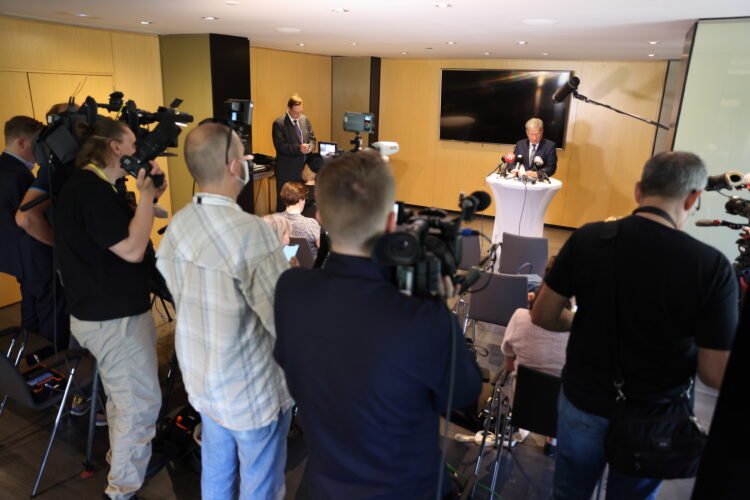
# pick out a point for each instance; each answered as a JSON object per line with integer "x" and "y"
{"x": 100, "y": 243}
{"x": 369, "y": 367}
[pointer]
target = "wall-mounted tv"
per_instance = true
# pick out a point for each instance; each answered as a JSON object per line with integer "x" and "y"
{"x": 493, "y": 105}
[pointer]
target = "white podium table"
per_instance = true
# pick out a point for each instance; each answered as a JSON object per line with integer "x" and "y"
{"x": 519, "y": 206}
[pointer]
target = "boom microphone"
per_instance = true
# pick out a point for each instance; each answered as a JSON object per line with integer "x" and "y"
{"x": 707, "y": 223}
{"x": 727, "y": 180}
{"x": 476, "y": 201}
{"x": 563, "y": 92}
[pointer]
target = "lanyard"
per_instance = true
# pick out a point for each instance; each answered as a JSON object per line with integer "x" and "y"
{"x": 658, "y": 212}
{"x": 99, "y": 172}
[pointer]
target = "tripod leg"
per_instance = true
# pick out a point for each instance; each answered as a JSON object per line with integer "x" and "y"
{"x": 88, "y": 464}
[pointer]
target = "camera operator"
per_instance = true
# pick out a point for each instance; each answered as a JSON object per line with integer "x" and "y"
{"x": 369, "y": 367}
{"x": 673, "y": 304}
{"x": 101, "y": 244}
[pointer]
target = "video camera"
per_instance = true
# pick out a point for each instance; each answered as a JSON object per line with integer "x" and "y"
{"x": 358, "y": 123}
{"x": 58, "y": 143}
{"x": 428, "y": 247}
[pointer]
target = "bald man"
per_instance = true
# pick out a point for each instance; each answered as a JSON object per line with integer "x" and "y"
{"x": 221, "y": 265}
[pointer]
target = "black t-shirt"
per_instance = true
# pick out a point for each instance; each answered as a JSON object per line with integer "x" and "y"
{"x": 673, "y": 294}
{"x": 91, "y": 217}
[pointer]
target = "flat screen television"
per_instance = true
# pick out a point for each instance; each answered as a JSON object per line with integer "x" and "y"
{"x": 493, "y": 105}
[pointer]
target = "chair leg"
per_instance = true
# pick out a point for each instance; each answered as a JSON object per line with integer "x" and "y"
{"x": 495, "y": 404}
{"x": 63, "y": 402}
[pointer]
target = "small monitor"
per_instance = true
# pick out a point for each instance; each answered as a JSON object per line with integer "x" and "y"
{"x": 327, "y": 148}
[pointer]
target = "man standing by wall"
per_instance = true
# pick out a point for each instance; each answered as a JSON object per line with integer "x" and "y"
{"x": 538, "y": 153}
{"x": 369, "y": 367}
{"x": 294, "y": 139}
{"x": 221, "y": 266}
{"x": 675, "y": 300}
{"x": 43, "y": 308}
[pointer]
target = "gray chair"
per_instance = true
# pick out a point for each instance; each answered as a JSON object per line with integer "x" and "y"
{"x": 304, "y": 253}
{"x": 470, "y": 257}
{"x": 523, "y": 254}
{"x": 495, "y": 298}
{"x": 14, "y": 384}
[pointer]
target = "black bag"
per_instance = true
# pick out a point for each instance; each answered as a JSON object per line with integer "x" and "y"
{"x": 658, "y": 439}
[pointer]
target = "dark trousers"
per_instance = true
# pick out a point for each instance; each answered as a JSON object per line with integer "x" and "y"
{"x": 43, "y": 310}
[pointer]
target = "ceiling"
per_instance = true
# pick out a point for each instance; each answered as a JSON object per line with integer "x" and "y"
{"x": 576, "y": 29}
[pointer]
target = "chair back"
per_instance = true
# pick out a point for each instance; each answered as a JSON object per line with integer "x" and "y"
{"x": 13, "y": 384}
{"x": 535, "y": 401}
{"x": 498, "y": 298}
{"x": 523, "y": 254}
{"x": 304, "y": 253}
{"x": 470, "y": 252}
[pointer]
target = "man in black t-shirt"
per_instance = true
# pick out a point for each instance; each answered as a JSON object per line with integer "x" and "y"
{"x": 675, "y": 300}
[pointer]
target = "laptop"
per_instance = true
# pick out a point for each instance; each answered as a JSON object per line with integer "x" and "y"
{"x": 327, "y": 148}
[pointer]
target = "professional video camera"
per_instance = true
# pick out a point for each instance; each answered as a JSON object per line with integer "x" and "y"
{"x": 58, "y": 143}
{"x": 734, "y": 206}
{"x": 358, "y": 123}
{"x": 428, "y": 247}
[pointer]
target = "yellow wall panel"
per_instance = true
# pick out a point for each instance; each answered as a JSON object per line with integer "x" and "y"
{"x": 275, "y": 75}
{"x": 52, "y": 88}
{"x": 186, "y": 73}
{"x": 38, "y": 46}
{"x": 350, "y": 91}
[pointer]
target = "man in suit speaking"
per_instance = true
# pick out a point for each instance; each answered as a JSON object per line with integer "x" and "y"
{"x": 294, "y": 139}
{"x": 538, "y": 153}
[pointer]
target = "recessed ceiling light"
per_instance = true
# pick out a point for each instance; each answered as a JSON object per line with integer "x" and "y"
{"x": 300, "y": 45}
{"x": 147, "y": 22}
{"x": 352, "y": 43}
{"x": 540, "y": 22}
{"x": 442, "y": 5}
{"x": 82, "y": 15}
{"x": 451, "y": 43}
{"x": 522, "y": 42}
{"x": 653, "y": 42}
{"x": 487, "y": 53}
{"x": 545, "y": 53}
{"x": 232, "y": 2}
{"x": 210, "y": 18}
{"x": 404, "y": 53}
{"x": 287, "y": 29}
{"x": 651, "y": 55}
{"x": 428, "y": 48}
{"x": 339, "y": 10}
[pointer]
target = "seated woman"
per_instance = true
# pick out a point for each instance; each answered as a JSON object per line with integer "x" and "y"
{"x": 530, "y": 345}
{"x": 283, "y": 229}
{"x": 293, "y": 195}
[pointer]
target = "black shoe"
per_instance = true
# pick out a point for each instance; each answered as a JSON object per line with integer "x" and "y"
{"x": 549, "y": 450}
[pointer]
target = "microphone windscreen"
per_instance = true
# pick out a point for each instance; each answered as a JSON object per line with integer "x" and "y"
{"x": 484, "y": 200}
{"x": 563, "y": 92}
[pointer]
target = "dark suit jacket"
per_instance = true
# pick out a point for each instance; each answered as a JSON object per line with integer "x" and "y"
{"x": 289, "y": 159}
{"x": 547, "y": 150}
{"x": 15, "y": 179}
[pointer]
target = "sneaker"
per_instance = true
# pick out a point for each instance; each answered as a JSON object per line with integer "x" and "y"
{"x": 79, "y": 406}
{"x": 101, "y": 420}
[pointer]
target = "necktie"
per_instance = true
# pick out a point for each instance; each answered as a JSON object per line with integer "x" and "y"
{"x": 531, "y": 155}
{"x": 299, "y": 130}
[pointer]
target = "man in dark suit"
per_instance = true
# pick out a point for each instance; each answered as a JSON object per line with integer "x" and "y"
{"x": 294, "y": 139}
{"x": 22, "y": 256}
{"x": 537, "y": 148}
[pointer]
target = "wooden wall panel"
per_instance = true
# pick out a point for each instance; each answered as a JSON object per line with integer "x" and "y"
{"x": 603, "y": 155}
{"x": 49, "y": 47}
{"x": 275, "y": 75}
{"x": 52, "y": 88}
{"x": 350, "y": 91}
{"x": 186, "y": 73}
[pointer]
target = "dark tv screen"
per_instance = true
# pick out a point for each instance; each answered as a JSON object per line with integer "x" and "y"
{"x": 493, "y": 105}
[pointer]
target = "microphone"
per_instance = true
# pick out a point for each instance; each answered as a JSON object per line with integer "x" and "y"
{"x": 538, "y": 161}
{"x": 716, "y": 222}
{"x": 563, "y": 92}
{"x": 476, "y": 201}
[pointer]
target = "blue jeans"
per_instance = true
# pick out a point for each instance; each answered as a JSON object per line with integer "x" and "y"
{"x": 580, "y": 459}
{"x": 256, "y": 458}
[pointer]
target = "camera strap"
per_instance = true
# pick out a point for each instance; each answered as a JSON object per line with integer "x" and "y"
{"x": 656, "y": 211}
{"x": 99, "y": 172}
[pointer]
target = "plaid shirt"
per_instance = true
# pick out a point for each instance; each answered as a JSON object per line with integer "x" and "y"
{"x": 221, "y": 265}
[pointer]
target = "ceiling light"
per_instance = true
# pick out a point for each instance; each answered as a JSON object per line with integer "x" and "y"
{"x": 539, "y": 22}
{"x": 82, "y": 15}
{"x": 451, "y": 43}
{"x": 651, "y": 55}
{"x": 300, "y": 45}
{"x": 352, "y": 43}
{"x": 442, "y": 5}
{"x": 287, "y": 29}
{"x": 339, "y": 10}
{"x": 487, "y": 53}
{"x": 653, "y": 42}
{"x": 404, "y": 53}
{"x": 428, "y": 48}
{"x": 522, "y": 42}
{"x": 210, "y": 18}
{"x": 545, "y": 53}
{"x": 232, "y": 2}
{"x": 147, "y": 22}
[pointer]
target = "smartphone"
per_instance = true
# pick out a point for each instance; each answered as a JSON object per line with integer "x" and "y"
{"x": 290, "y": 251}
